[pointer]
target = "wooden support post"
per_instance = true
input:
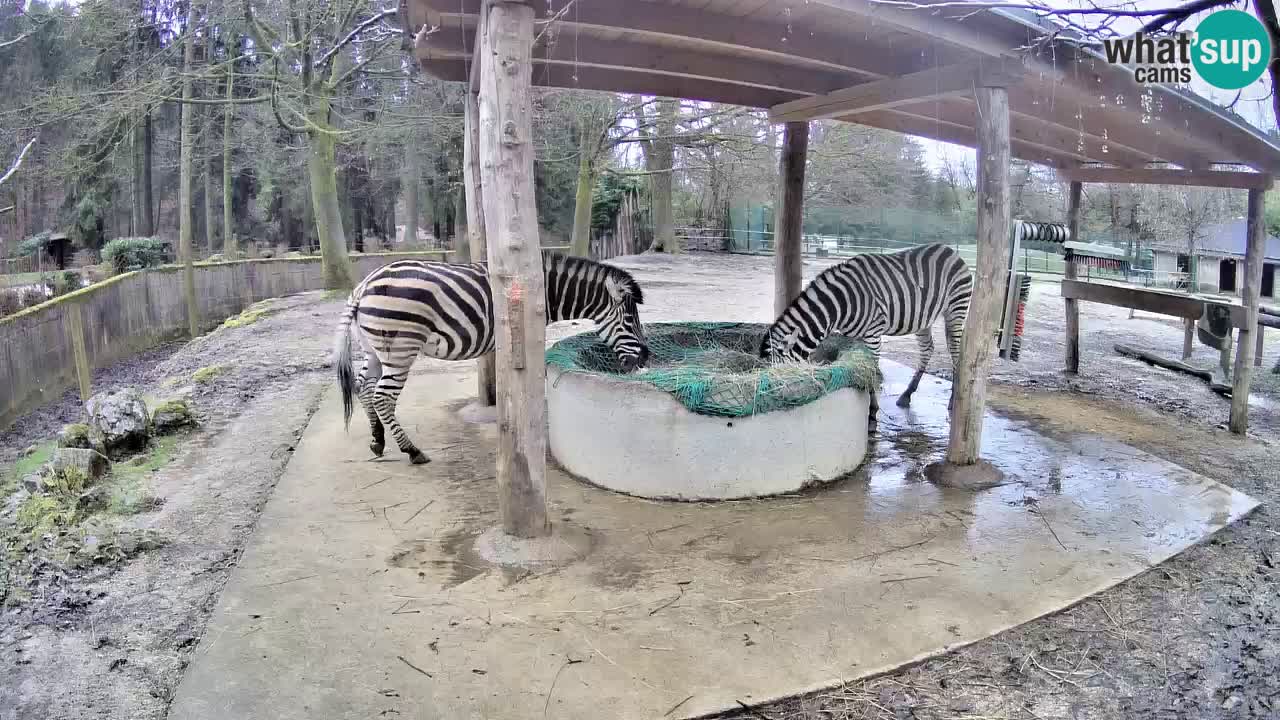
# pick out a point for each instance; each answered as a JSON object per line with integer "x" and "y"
{"x": 788, "y": 265}
{"x": 474, "y": 189}
{"x": 1257, "y": 346}
{"x": 73, "y": 324}
{"x": 515, "y": 265}
{"x": 1249, "y": 294}
{"x": 970, "y": 389}
{"x": 1073, "y": 307}
{"x": 1188, "y": 337}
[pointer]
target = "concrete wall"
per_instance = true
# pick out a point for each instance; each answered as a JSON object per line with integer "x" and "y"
{"x": 113, "y": 320}
{"x": 635, "y": 439}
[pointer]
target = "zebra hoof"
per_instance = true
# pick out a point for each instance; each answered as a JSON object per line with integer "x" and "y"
{"x": 418, "y": 458}
{"x": 904, "y": 401}
{"x": 377, "y": 448}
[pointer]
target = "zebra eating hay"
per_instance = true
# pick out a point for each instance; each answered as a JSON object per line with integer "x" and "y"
{"x": 446, "y": 312}
{"x": 869, "y": 296}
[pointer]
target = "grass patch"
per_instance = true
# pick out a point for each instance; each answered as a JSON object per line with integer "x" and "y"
{"x": 31, "y": 463}
{"x": 207, "y": 374}
{"x": 250, "y": 315}
{"x": 42, "y": 514}
{"x": 129, "y": 494}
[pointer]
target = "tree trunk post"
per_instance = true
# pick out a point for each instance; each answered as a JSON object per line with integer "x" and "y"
{"x": 970, "y": 388}
{"x": 515, "y": 266}
{"x": 1249, "y": 294}
{"x": 486, "y": 390}
{"x": 1188, "y": 338}
{"x": 228, "y": 219}
{"x": 1069, "y": 272}
{"x": 186, "y": 158}
{"x": 788, "y": 267}
{"x": 580, "y": 242}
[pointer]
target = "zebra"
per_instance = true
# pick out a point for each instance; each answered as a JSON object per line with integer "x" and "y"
{"x": 446, "y": 311}
{"x": 869, "y": 296}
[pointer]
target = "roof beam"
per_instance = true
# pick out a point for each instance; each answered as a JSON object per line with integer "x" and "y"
{"x": 948, "y": 81}
{"x": 739, "y": 36}
{"x": 626, "y": 81}
{"x": 1162, "y": 176}
{"x": 961, "y": 134}
{"x": 632, "y": 55}
{"x": 924, "y": 23}
{"x": 1054, "y": 140}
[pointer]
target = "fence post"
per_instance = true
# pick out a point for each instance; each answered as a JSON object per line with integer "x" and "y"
{"x": 73, "y": 324}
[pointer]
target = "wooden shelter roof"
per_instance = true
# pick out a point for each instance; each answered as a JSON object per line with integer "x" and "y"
{"x": 860, "y": 61}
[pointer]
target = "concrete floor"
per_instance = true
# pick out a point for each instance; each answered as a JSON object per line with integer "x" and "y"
{"x": 361, "y": 596}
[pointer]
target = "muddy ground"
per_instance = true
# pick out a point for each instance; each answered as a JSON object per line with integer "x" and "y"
{"x": 1195, "y": 638}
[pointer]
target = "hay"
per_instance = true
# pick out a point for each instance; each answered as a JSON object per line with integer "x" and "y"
{"x": 714, "y": 369}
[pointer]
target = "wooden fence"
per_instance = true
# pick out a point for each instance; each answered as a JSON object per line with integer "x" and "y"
{"x": 54, "y": 346}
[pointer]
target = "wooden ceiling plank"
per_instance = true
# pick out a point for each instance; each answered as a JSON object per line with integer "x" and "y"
{"x": 948, "y": 81}
{"x": 618, "y": 80}
{"x": 1163, "y": 176}
{"x": 590, "y": 51}
{"x": 962, "y": 135}
{"x": 762, "y": 38}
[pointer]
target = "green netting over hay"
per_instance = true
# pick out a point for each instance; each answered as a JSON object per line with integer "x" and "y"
{"x": 713, "y": 368}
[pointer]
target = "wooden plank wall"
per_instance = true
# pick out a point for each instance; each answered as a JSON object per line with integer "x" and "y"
{"x": 137, "y": 311}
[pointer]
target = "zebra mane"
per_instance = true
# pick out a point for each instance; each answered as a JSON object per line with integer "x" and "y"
{"x": 568, "y": 264}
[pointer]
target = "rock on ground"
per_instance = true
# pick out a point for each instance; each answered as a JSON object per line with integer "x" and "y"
{"x": 90, "y": 464}
{"x": 76, "y": 435}
{"x": 171, "y": 415}
{"x": 119, "y": 419}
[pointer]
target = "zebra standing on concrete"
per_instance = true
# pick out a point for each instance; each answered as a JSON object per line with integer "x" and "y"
{"x": 446, "y": 312}
{"x": 869, "y": 296}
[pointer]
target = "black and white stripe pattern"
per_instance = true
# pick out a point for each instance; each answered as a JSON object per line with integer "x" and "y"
{"x": 413, "y": 307}
{"x": 869, "y": 296}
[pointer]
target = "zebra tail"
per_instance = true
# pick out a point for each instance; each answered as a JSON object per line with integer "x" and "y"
{"x": 342, "y": 360}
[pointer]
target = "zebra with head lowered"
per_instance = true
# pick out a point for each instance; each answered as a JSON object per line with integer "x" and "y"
{"x": 444, "y": 311}
{"x": 869, "y": 296}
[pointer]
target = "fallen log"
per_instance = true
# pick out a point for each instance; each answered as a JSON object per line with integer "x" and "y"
{"x": 1153, "y": 359}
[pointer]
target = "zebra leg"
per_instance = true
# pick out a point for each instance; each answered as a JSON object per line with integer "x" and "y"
{"x": 873, "y": 411}
{"x": 365, "y": 384}
{"x": 955, "y": 333}
{"x": 925, "y": 340}
{"x": 384, "y": 402}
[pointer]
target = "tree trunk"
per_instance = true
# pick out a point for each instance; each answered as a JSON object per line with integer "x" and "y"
{"x": 229, "y": 249}
{"x": 327, "y": 208}
{"x": 660, "y": 161}
{"x": 140, "y": 211}
{"x": 788, "y": 265}
{"x": 581, "y": 242}
{"x": 486, "y": 388}
{"x": 185, "y": 161}
{"x": 515, "y": 267}
{"x": 412, "y": 172}
{"x": 209, "y": 232}
{"x": 970, "y": 388}
{"x": 151, "y": 213}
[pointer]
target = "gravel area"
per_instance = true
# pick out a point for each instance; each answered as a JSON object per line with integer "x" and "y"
{"x": 1197, "y": 637}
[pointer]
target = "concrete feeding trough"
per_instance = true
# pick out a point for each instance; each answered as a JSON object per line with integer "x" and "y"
{"x": 706, "y": 419}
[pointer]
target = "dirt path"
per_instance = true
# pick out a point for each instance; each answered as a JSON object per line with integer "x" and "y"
{"x": 113, "y": 642}
{"x": 1196, "y": 638}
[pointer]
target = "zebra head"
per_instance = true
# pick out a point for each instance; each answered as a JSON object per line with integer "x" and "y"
{"x": 619, "y": 325}
{"x": 786, "y": 341}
